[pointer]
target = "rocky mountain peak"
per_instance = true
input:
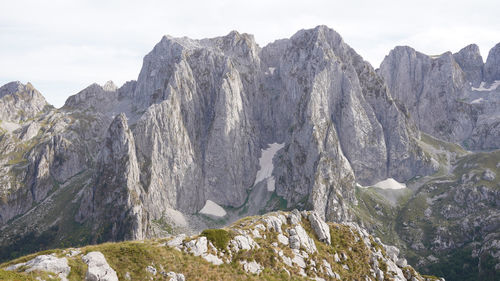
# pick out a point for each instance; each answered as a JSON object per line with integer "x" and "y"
{"x": 320, "y": 36}
{"x": 11, "y": 88}
{"x": 109, "y": 86}
{"x": 17, "y": 87}
{"x": 20, "y": 102}
{"x": 492, "y": 66}
{"x": 116, "y": 191}
{"x": 470, "y": 60}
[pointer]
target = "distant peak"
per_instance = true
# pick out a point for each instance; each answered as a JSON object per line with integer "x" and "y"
{"x": 470, "y": 47}
{"x": 15, "y": 87}
{"x": 319, "y": 33}
{"x": 234, "y": 33}
{"x": 10, "y": 88}
{"x": 109, "y": 86}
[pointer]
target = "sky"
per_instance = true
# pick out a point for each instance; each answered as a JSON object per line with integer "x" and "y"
{"x": 62, "y": 46}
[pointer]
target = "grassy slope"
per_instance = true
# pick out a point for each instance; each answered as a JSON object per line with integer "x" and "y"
{"x": 132, "y": 257}
{"x": 408, "y": 220}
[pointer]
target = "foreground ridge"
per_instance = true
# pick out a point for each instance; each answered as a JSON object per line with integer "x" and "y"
{"x": 276, "y": 246}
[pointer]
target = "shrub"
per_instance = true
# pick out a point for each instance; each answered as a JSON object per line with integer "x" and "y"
{"x": 219, "y": 237}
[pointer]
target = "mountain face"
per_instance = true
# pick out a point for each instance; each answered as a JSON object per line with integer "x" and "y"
{"x": 451, "y": 96}
{"x": 217, "y": 129}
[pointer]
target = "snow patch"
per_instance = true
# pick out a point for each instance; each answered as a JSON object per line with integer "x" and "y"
{"x": 390, "y": 183}
{"x": 482, "y": 87}
{"x": 212, "y": 209}
{"x": 176, "y": 216}
{"x": 479, "y": 100}
{"x": 266, "y": 165}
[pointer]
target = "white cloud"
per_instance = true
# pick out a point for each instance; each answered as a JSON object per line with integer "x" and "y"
{"x": 62, "y": 46}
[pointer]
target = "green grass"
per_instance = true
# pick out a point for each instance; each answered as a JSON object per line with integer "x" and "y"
{"x": 443, "y": 145}
{"x": 219, "y": 237}
{"x": 131, "y": 258}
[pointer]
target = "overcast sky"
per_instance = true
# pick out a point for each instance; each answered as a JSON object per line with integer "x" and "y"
{"x": 62, "y": 46}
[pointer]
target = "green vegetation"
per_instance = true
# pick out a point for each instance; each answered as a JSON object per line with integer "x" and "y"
{"x": 59, "y": 214}
{"x": 443, "y": 145}
{"x": 164, "y": 225}
{"x": 132, "y": 257}
{"x": 219, "y": 237}
{"x": 457, "y": 265}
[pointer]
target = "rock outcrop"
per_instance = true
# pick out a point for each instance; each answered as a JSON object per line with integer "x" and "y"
{"x": 19, "y": 102}
{"x": 47, "y": 263}
{"x": 98, "y": 268}
{"x": 114, "y": 200}
{"x": 492, "y": 66}
{"x": 431, "y": 89}
{"x": 451, "y": 97}
{"x": 470, "y": 61}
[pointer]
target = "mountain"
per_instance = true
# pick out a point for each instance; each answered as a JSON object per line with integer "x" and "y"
{"x": 218, "y": 129}
{"x": 453, "y": 216}
{"x": 277, "y": 246}
{"x": 453, "y": 97}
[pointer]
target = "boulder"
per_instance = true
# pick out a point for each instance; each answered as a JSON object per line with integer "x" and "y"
{"x": 151, "y": 269}
{"x": 252, "y": 267}
{"x": 301, "y": 237}
{"x": 283, "y": 239}
{"x": 98, "y": 268}
{"x": 198, "y": 246}
{"x": 489, "y": 175}
{"x": 213, "y": 259}
{"x": 48, "y": 263}
{"x": 273, "y": 223}
{"x": 241, "y": 242}
{"x": 320, "y": 227}
{"x": 176, "y": 276}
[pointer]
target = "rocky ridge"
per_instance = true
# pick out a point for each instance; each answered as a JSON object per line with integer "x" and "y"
{"x": 295, "y": 245}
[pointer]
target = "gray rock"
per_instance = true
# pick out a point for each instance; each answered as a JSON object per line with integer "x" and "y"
{"x": 430, "y": 87}
{"x": 242, "y": 242}
{"x": 336, "y": 257}
{"x": 401, "y": 262}
{"x": 116, "y": 197}
{"x": 392, "y": 252}
{"x": 328, "y": 269}
{"x": 298, "y": 259}
{"x": 294, "y": 217}
{"x": 252, "y": 267}
{"x": 197, "y": 246}
{"x": 176, "y": 241}
{"x": 470, "y": 61}
{"x": 492, "y": 66}
{"x": 302, "y": 239}
{"x": 212, "y": 259}
{"x": 19, "y": 102}
{"x": 98, "y": 268}
{"x": 320, "y": 227}
{"x": 396, "y": 272}
{"x": 151, "y": 269}
{"x": 273, "y": 223}
{"x": 380, "y": 275}
{"x": 48, "y": 263}
{"x": 489, "y": 175}
{"x": 283, "y": 239}
{"x": 176, "y": 276}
